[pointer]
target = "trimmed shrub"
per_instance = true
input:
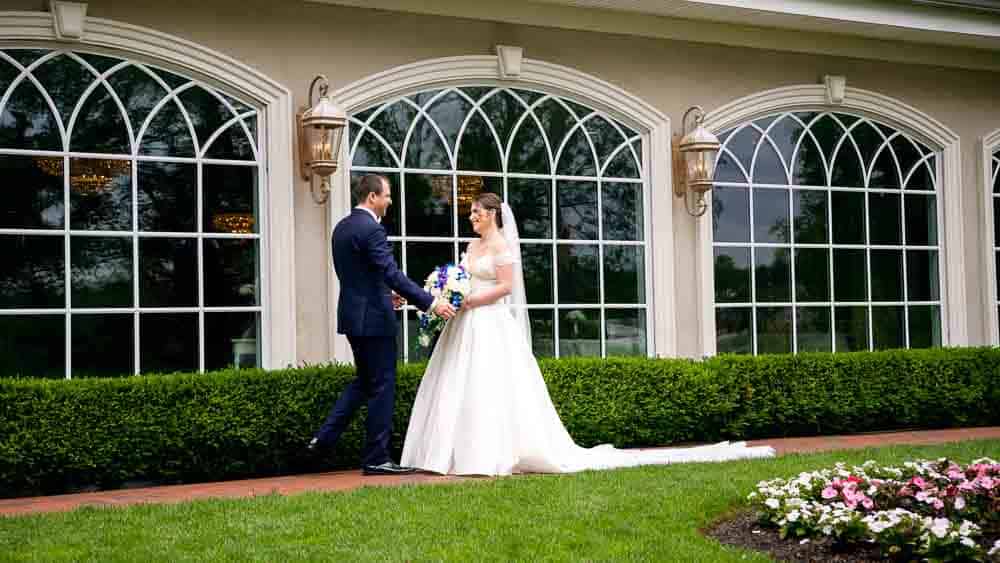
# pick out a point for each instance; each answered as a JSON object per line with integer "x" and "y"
{"x": 62, "y": 435}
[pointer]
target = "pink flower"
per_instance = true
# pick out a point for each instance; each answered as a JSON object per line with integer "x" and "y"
{"x": 829, "y": 493}
{"x": 905, "y": 492}
{"x": 867, "y": 503}
{"x": 956, "y": 475}
{"x": 919, "y": 482}
{"x": 959, "y": 503}
{"x": 922, "y": 496}
{"x": 938, "y": 505}
{"x": 967, "y": 486}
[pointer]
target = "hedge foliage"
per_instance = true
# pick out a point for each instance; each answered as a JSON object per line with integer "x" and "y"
{"x": 65, "y": 435}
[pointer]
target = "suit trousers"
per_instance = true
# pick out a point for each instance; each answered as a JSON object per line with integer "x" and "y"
{"x": 374, "y": 385}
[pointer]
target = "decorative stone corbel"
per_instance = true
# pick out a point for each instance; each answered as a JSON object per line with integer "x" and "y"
{"x": 836, "y": 87}
{"x": 69, "y": 18}
{"x": 509, "y": 61}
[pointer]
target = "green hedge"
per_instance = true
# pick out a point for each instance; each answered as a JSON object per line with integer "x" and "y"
{"x": 66, "y": 435}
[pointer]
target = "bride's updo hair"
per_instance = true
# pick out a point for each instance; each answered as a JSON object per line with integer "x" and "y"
{"x": 491, "y": 202}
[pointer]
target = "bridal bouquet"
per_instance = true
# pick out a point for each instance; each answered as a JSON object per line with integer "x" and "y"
{"x": 449, "y": 282}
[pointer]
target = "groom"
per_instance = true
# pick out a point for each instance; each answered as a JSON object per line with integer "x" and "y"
{"x": 362, "y": 258}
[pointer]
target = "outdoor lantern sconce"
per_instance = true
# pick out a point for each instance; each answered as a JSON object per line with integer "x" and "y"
{"x": 695, "y": 163}
{"x": 321, "y": 129}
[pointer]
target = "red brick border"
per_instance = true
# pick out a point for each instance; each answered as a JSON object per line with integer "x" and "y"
{"x": 348, "y": 480}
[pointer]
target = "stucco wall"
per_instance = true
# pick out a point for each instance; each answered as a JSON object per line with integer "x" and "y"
{"x": 291, "y": 41}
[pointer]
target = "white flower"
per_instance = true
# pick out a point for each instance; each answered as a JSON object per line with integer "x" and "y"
{"x": 772, "y": 503}
{"x": 803, "y": 542}
{"x": 425, "y": 340}
{"x": 968, "y": 543}
{"x": 967, "y": 528}
{"x": 959, "y": 503}
{"x": 995, "y": 549}
{"x": 793, "y": 516}
{"x": 939, "y": 527}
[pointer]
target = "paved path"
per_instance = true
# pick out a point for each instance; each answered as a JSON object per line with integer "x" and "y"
{"x": 347, "y": 480}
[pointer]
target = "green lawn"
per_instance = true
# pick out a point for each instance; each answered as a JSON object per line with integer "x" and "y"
{"x": 650, "y": 513}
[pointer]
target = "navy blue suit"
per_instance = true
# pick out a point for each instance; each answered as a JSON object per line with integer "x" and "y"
{"x": 362, "y": 258}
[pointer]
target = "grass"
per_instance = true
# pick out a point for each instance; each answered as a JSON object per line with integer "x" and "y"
{"x": 649, "y": 513}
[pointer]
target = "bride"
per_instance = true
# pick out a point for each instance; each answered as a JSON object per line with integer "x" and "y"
{"x": 482, "y": 407}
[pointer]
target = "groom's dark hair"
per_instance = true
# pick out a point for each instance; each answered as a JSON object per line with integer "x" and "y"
{"x": 369, "y": 184}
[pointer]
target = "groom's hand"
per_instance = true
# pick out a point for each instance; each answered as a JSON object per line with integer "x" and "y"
{"x": 397, "y": 301}
{"x": 444, "y": 310}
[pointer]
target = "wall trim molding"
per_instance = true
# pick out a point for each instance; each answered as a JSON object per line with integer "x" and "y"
{"x": 275, "y": 103}
{"x": 989, "y": 145}
{"x": 894, "y": 112}
{"x": 744, "y": 27}
{"x": 557, "y": 79}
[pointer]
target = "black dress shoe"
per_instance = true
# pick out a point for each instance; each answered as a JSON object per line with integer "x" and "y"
{"x": 387, "y": 468}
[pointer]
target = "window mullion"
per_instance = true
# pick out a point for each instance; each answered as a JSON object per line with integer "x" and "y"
{"x": 137, "y": 349}
{"x": 67, "y": 266}
{"x": 200, "y": 209}
{"x": 555, "y": 271}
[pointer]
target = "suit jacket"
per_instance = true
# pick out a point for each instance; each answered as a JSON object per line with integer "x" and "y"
{"x": 362, "y": 258}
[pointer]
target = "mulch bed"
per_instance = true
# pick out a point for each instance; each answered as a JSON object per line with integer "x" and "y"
{"x": 742, "y": 530}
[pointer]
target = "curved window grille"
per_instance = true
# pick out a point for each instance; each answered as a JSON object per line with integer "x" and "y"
{"x": 130, "y": 222}
{"x": 825, "y": 236}
{"x": 574, "y": 178}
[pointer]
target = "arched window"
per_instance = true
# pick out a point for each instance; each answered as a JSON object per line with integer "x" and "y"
{"x": 131, "y": 220}
{"x": 572, "y": 175}
{"x": 825, "y": 236}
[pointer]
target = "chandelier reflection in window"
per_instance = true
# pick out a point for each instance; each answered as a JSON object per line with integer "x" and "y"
{"x": 88, "y": 176}
{"x": 237, "y": 223}
{"x": 469, "y": 188}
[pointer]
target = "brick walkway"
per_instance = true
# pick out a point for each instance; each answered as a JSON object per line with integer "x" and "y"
{"x": 347, "y": 480}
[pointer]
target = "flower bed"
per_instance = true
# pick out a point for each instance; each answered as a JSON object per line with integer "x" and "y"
{"x": 933, "y": 510}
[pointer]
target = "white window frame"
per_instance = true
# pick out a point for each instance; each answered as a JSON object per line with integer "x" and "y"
{"x": 652, "y": 125}
{"x": 893, "y": 112}
{"x": 275, "y": 130}
{"x": 792, "y": 245}
{"x": 990, "y": 145}
{"x": 554, "y": 242}
{"x": 136, "y": 133}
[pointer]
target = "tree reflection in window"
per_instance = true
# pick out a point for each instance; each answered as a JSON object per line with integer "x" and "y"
{"x": 572, "y": 175}
{"x": 818, "y": 218}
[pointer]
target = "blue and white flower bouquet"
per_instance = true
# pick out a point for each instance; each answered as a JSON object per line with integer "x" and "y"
{"x": 449, "y": 282}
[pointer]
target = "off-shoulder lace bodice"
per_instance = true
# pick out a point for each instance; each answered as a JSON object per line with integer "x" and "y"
{"x": 484, "y": 269}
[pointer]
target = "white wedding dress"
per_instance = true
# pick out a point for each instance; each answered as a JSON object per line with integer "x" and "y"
{"x": 483, "y": 408}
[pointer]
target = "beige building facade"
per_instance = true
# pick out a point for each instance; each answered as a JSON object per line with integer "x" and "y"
{"x": 871, "y": 226}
